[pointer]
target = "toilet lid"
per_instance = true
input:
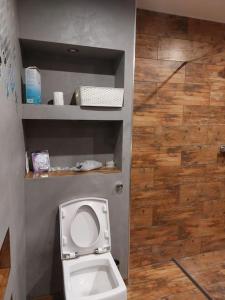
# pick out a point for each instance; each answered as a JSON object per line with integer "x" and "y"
{"x": 84, "y": 227}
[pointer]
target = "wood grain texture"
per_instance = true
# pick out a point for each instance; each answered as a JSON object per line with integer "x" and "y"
{"x": 178, "y": 176}
{"x": 207, "y": 31}
{"x": 159, "y": 115}
{"x": 49, "y": 297}
{"x": 181, "y": 135}
{"x": 157, "y": 24}
{"x": 217, "y": 95}
{"x": 216, "y": 134}
{"x": 150, "y": 93}
{"x": 165, "y": 25}
{"x": 145, "y": 95}
{"x": 196, "y": 73}
{"x": 199, "y": 155}
{"x": 164, "y": 282}
{"x": 182, "y": 50}
{"x": 146, "y": 47}
{"x": 184, "y": 94}
{"x": 172, "y": 136}
{"x": 155, "y": 156}
{"x": 160, "y": 70}
{"x": 216, "y": 73}
{"x": 4, "y": 276}
{"x": 208, "y": 270}
{"x": 5, "y": 264}
{"x": 32, "y": 175}
{"x": 203, "y": 115}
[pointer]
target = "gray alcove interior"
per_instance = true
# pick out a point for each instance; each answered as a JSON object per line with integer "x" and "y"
{"x": 65, "y": 71}
{"x": 69, "y": 142}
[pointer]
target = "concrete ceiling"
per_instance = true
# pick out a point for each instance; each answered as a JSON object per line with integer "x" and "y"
{"x": 213, "y": 10}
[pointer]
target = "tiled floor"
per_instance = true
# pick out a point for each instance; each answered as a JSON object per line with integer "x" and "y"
{"x": 165, "y": 282}
{"x": 209, "y": 271}
{"x": 168, "y": 282}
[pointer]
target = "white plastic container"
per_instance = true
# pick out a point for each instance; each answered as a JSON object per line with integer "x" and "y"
{"x": 58, "y": 98}
{"x": 100, "y": 96}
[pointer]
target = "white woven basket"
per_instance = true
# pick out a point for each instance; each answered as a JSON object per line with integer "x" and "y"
{"x": 99, "y": 96}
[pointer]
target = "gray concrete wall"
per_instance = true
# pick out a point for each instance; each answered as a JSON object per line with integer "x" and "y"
{"x": 98, "y": 23}
{"x": 67, "y": 82}
{"x": 11, "y": 151}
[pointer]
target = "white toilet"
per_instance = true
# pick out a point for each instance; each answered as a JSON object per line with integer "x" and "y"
{"x": 89, "y": 270}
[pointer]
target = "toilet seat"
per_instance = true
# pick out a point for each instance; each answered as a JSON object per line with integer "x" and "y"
{"x": 89, "y": 270}
{"x": 84, "y": 227}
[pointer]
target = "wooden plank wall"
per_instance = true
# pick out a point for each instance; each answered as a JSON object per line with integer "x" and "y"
{"x": 178, "y": 175}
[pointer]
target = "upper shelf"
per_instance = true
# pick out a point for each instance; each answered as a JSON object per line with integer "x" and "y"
{"x": 72, "y": 58}
{"x": 63, "y": 70}
{"x": 69, "y": 112}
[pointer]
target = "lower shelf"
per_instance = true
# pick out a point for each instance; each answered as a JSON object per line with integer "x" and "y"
{"x": 32, "y": 175}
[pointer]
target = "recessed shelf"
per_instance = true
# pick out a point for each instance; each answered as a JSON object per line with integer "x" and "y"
{"x": 5, "y": 264}
{"x": 57, "y": 56}
{"x": 70, "y": 142}
{"x": 69, "y": 112}
{"x": 32, "y": 175}
{"x": 64, "y": 71}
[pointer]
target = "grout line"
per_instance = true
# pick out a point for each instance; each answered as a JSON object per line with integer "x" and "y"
{"x": 188, "y": 275}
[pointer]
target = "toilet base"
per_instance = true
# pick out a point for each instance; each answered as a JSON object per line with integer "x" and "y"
{"x": 93, "y": 277}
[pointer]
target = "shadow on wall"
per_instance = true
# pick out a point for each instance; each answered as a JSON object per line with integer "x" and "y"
{"x": 55, "y": 281}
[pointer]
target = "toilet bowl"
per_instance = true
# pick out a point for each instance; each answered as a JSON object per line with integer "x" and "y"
{"x": 89, "y": 270}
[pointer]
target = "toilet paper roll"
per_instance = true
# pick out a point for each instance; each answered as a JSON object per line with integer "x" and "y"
{"x": 58, "y": 98}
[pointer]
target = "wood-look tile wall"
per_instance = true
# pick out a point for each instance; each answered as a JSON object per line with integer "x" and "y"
{"x": 178, "y": 175}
